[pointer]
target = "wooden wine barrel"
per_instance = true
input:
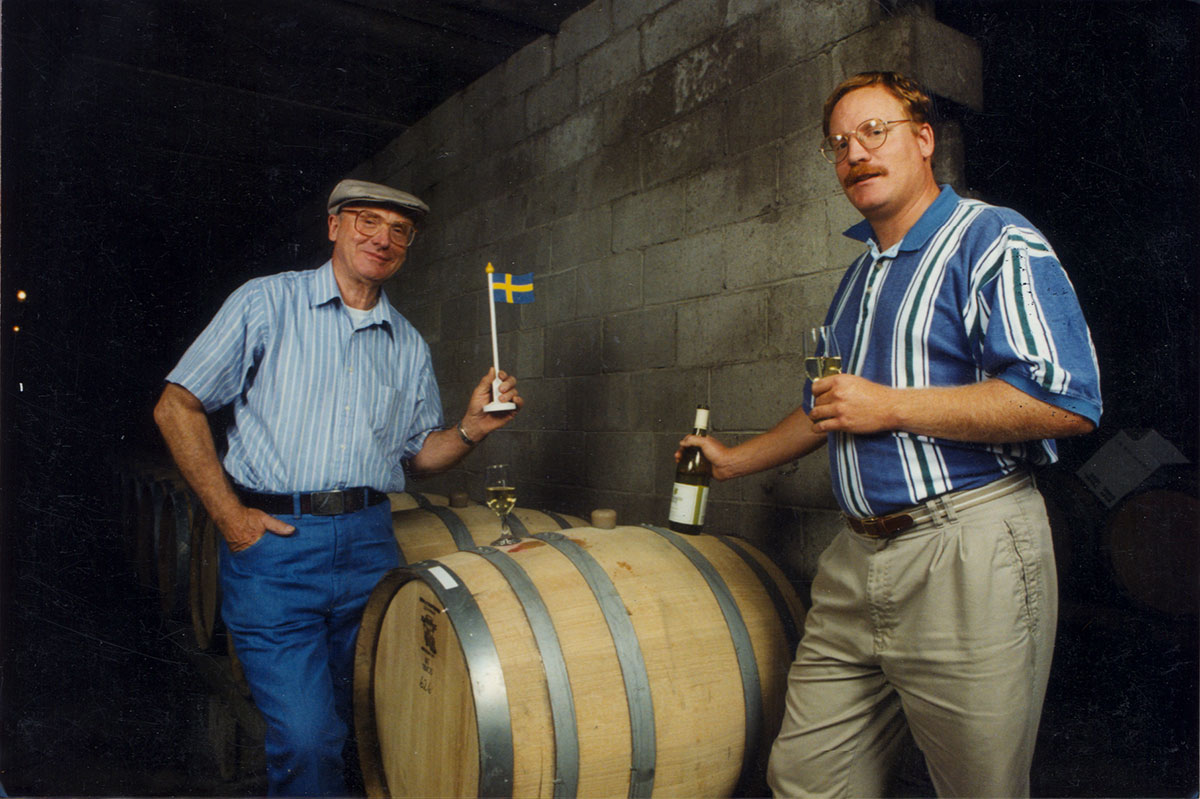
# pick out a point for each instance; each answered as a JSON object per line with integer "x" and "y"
{"x": 432, "y": 531}
{"x": 177, "y": 512}
{"x": 626, "y": 662}
{"x": 1152, "y": 540}
{"x": 149, "y": 501}
{"x": 204, "y": 582}
{"x": 407, "y": 500}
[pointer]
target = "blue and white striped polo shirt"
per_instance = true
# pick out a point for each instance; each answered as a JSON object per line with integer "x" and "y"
{"x": 320, "y": 402}
{"x": 972, "y": 292}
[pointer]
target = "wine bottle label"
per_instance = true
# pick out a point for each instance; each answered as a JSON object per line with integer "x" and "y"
{"x": 688, "y": 503}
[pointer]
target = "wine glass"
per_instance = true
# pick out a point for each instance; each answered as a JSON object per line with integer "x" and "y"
{"x": 822, "y": 357}
{"x": 501, "y": 496}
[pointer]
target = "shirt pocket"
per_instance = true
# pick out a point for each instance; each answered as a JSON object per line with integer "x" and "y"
{"x": 388, "y": 416}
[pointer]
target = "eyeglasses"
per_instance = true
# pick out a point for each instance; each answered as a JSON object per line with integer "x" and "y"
{"x": 368, "y": 224}
{"x": 870, "y": 134}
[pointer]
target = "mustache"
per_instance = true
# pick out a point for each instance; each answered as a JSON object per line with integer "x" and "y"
{"x": 861, "y": 172}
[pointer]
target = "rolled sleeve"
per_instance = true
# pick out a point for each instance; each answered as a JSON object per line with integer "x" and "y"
{"x": 216, "y": 366}
{"x": 1036, "y": 338}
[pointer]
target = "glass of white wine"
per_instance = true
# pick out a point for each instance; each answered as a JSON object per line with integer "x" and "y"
{"x": 822, "y": 357}
{"x": 501, "y": 497}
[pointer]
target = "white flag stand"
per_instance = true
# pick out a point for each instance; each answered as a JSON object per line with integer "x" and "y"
{"x": 495, "y": 406}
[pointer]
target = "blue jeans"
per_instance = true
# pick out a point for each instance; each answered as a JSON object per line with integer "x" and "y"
{"x": 293, "y": 605}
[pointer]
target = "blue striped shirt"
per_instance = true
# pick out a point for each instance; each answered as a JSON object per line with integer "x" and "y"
{"x": 972, "y": 292}
{"x": 320, "y": 402}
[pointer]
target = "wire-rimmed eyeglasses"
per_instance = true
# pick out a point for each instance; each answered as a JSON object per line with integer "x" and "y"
{"x": 368, "y": 224}
{"x": 870, "y": 134}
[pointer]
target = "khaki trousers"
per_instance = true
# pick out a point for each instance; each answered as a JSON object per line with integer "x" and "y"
{"x": 950, "y": 627}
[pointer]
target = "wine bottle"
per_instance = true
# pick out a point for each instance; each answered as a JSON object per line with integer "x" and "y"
{"x": 689, "y": 495}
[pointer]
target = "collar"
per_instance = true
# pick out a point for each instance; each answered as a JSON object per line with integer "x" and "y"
{"x": 323, "y": 289}
{"x": 920, "y": 233}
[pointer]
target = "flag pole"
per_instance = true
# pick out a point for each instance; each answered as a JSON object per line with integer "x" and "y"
{"x": 495, "y": 405}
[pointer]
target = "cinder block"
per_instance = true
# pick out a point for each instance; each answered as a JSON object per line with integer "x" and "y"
{"x": 552, "y": 196}
{"x": 528, "y": 66}
{"x": 841, "y": 249}
{"x": 690, "y": 267}
{"x": 484, "y": 93}
{"x": 722, "y": 329}
{"x": 945, "y": 61}
{"x": 950, "y": 156}
{"x": 754, "y": 396}
{"x": 739, "y": 189}
{"x": 523, "y": 251}
{"x": 555, "y": 294}
{"x": 620, "y": 461}
{"x": 713, "y": 70}
{"x": 687, "y": 145}
{"x": 797, "y": 306}
{"x": 630, "y": 13}
{"x": 611, "y": 173}
{"x": 551, "y": 101}
{"x": 785, "y": 102}
{"x": 460, "y": 316}
{"x": 501, "y": 216}
{"x": 679, "y": 27}
{"x": 573, "y": 348}
{"x": 648, "y": 217}
{"x": 738, "y": 10}
{"x": 643, "y": 339}
{"x": 582, "y": 31}
{"x": 582, "y": 237}
{"x": 553, "y": 457}
{"x": 666, "y": 399}
{"x": 505, "y": 125}
{"x": 528, "y": 359}
{"x": 614, "y": 62}
{"x": 426, "y": 317}
{"x": 804, "y": 174}
{"x": 550, "y": 404}
{"x": 605, "y": 402}
{"x": 633, "y": 108}
{"x": 574, "y": 139}
{"x": 794, "y": 31}
{"x": 776, "y": 246}
{"x": 610, "y": 285}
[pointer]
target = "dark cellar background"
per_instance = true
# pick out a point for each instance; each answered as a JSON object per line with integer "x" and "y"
{"x": 1089, "y": 129}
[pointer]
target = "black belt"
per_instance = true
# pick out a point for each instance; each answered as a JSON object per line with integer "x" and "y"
{"x": 317, "y": 503}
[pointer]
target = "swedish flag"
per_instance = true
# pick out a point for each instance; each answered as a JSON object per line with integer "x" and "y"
{"x": 512, "y": 288}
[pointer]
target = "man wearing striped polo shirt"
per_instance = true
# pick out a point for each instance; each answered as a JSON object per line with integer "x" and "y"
{"x": 964, "y": 355}
{"x": 333, "y": 393}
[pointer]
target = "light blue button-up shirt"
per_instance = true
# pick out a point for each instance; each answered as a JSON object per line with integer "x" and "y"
{"x": 320, "y": 402}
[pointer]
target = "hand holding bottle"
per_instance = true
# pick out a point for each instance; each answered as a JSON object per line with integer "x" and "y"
{"x": 689, "y": 494}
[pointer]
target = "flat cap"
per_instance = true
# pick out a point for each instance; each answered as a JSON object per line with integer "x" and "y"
{"x": 361, "y": 191}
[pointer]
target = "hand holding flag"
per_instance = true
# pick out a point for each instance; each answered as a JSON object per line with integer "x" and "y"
{"x": 511, "y": 289}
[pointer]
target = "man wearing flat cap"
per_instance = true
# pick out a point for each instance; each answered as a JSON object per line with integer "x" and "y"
{"x": 333, "y": 396}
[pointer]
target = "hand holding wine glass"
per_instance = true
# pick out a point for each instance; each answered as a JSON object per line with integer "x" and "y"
{"x": 822, "y": 357}
{"x": 501, "y": 496}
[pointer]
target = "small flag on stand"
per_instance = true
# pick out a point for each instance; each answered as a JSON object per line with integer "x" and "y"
{"x": 512, "y": 288}
{"x": 508, "y": 289}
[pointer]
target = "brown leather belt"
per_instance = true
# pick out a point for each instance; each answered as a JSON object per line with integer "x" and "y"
{"x": 947, "y": 506}
{"x": 316, "y": 503}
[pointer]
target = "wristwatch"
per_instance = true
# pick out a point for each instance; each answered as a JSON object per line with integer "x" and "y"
{"x": 466, "y": 439}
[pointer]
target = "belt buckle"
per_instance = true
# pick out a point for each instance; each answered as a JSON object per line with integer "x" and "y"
{"x": 879, "y": 527}
{"x": 328, "y": 503}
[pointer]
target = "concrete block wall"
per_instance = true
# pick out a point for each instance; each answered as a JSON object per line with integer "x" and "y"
{"x": 655, "y": 166}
